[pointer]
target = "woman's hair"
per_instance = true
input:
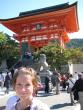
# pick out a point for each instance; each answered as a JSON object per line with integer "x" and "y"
{"x": 28, "y": 71}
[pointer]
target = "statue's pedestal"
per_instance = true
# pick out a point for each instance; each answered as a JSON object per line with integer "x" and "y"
{"x": 43, "y": 74}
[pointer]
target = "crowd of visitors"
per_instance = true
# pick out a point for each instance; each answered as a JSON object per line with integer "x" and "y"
{"x": 5, "y": 81}
{"x": 56, "y": 83}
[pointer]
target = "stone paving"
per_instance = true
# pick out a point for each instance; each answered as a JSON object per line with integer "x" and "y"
{"x": 59, "y": 102}
{"x": 55, "y": 102}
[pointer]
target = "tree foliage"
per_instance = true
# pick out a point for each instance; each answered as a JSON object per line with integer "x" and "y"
{"x": 8, "y": 48}
{"x": 58, "y": 56}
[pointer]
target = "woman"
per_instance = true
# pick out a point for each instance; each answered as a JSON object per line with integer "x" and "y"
{"x": 71, "y": 82}
{"x": 25, "y": 84}
{"x": 7, "y": 83}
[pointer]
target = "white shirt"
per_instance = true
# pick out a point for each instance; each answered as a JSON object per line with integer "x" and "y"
{"x": 1, "y": 78}
{"x": 36, "y": 104}
{"x": 71, "y": 82}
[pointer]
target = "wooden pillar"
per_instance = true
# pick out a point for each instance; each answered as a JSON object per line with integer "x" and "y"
{"x": 62, "y": 44}
{"x": 29, "y": 43}
{"x": 20, "y": 46}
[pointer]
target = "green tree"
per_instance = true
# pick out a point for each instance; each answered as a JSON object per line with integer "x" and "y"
{"x": 9, "y": 50}
{"x": 74, "y": 55}
{"x": 3, "y": 40}
{"x": 58, "y": 56}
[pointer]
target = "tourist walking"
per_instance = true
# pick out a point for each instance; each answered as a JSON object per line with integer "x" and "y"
{"x": 71, "y": 82}
{"x": 57, "y": 79}
{"x": 7, "y": 83}
{"x": 47, "y": 80}
{"x": 78, "y": 86}
{"x": 63, "y": 81}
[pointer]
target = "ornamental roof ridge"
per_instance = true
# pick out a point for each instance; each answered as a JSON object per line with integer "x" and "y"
{"x": 47, "y": 9}
{"x": 44, "y": 10}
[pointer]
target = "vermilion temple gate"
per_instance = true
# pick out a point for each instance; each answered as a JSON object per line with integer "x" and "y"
{"x": 38, "y": 27}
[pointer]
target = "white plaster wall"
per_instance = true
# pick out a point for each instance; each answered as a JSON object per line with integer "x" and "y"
{"x": 75, "y": 68}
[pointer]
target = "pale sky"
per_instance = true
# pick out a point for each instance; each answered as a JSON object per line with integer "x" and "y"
{"x": 12, "y": 8}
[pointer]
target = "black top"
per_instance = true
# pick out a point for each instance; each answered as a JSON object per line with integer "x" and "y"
{"x": 78, "y": 85}
{"x": 18, "y": 104}
{"x": 28, "y": 108}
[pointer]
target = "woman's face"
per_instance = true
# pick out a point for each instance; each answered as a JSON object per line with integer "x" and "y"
{"x": 24, "y": 86}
